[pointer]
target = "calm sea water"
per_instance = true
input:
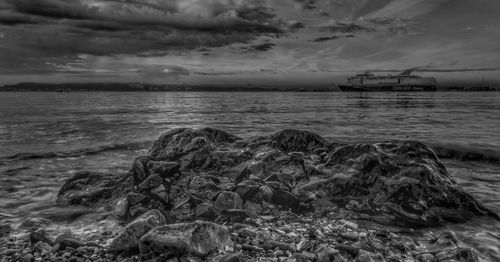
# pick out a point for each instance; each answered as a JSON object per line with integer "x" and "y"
{"x": 46, "y": 137}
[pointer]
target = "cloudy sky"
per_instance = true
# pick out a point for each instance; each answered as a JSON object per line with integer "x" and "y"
{"x": 245, "y": 41}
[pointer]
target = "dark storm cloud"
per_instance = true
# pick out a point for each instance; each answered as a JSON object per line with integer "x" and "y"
{"x": 113, "y": 27}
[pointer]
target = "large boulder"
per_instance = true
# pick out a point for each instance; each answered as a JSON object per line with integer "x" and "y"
{"x": 193, "y": 148}
{"x": 128, "y": 238}
{"x": 396, "y": 182}
{"x": 91, "y": 188}
{"x": 196, "y": 238}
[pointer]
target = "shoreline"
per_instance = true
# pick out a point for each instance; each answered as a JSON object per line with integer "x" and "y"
{"x": 325, "y": 227}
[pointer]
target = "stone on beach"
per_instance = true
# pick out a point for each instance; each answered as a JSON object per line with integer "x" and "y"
{"x": 228, "y": 200}
{"x": 197, "y": 238}
{"x": 129, "y": 237}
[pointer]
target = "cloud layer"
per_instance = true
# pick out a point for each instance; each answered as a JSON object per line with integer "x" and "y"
{"x": 186, "y": 39}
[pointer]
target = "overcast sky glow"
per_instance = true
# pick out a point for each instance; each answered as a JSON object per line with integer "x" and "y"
{"x": 235, "y": 41}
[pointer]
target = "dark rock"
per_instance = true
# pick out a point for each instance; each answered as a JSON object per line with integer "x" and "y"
{"x": 403, "y": 182}
{"x": 285, "y": 198}
{"x": 5, "y": 230}
{"x": 39, "y": 235}
{"x": 70, "y": 242}
{"x": 204, "y": 186}
{"x": 248, "y": 190}
{"x": 135, "y": 198}
{"x": 151, "y": 181}
{"x": 163, "y": 168}
{"x": 196, "y": 238}
{"x": 90, "y": 188}
{"x": 139, "y": 170}
{"x": 121, "y": 208}
{"x": 238, "y": 215}
{"x": 296, "y": 140}
{"x": 228, "y": 200}
{"x": 206, "y": 211}
{"x": 131, "y": 234}
{"x": 193, "y": 148}
{"x": 137, "y": 210}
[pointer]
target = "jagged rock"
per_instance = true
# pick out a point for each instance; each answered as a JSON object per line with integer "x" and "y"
{"x": 129, "y": 237}
{"x": 204, "y": 186}
{"x": 135, "y": 198}
{"x": 139, "y": 170}
{"x": 296, "y": 140}
{"x": 137, "y": 210}
{"x": 285, "y": 198}
{"x": 193, "y": 148}
{"x": 69, "y": 242}
{"x": 39, "y": 235}
{"x": 196, "y": 238}
{"x": 121, "y": 208}
{"x": 151, "y": 181}
{"x": 90, "y": 188}
{"x": 228, "y": 200}
{"x": 395, "y": 182}
{"x": 206, "y": 211}
{"x": 163, "y": 168}
{"x": 402, "y": 182}
{"x": 247, "y": 189}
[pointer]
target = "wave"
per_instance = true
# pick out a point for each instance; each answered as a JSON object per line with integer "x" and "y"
{"x": 463, "y": 153}
{"x": 74, "y": 153}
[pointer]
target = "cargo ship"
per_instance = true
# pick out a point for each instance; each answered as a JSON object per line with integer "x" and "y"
{"x": 389, "y": 83}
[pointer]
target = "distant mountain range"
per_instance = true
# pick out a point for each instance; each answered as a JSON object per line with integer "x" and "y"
{"x": 67, "y": 87}
{"x": 140, "y": 87}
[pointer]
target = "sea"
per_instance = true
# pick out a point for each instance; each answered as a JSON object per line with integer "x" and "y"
{"x": 46, "y": 137}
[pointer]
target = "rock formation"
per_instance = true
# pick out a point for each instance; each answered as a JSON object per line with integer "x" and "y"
{"x": 208, "y": 174}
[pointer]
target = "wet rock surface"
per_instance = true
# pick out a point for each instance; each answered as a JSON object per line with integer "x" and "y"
{"x": 204, "y": 194}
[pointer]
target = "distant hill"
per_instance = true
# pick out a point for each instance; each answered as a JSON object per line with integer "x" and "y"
{"x": 67, "y": 87}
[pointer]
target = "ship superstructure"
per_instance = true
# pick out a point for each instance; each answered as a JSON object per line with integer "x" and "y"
{"x": 401, "y": 82}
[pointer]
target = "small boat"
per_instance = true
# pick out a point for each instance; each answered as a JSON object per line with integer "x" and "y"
{"x": 402, "y": 82}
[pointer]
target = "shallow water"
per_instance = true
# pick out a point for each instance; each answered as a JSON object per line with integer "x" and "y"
{"x": 46, "y": 137}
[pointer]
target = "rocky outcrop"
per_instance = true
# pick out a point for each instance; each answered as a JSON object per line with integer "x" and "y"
{"x": 400, "y": 182}
{"x": 209, "y": 174}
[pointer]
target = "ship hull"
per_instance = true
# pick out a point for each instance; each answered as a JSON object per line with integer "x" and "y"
{"x": 351, "y": 88}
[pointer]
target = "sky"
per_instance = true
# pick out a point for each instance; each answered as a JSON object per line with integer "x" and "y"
{"x": 246, "y": 41}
